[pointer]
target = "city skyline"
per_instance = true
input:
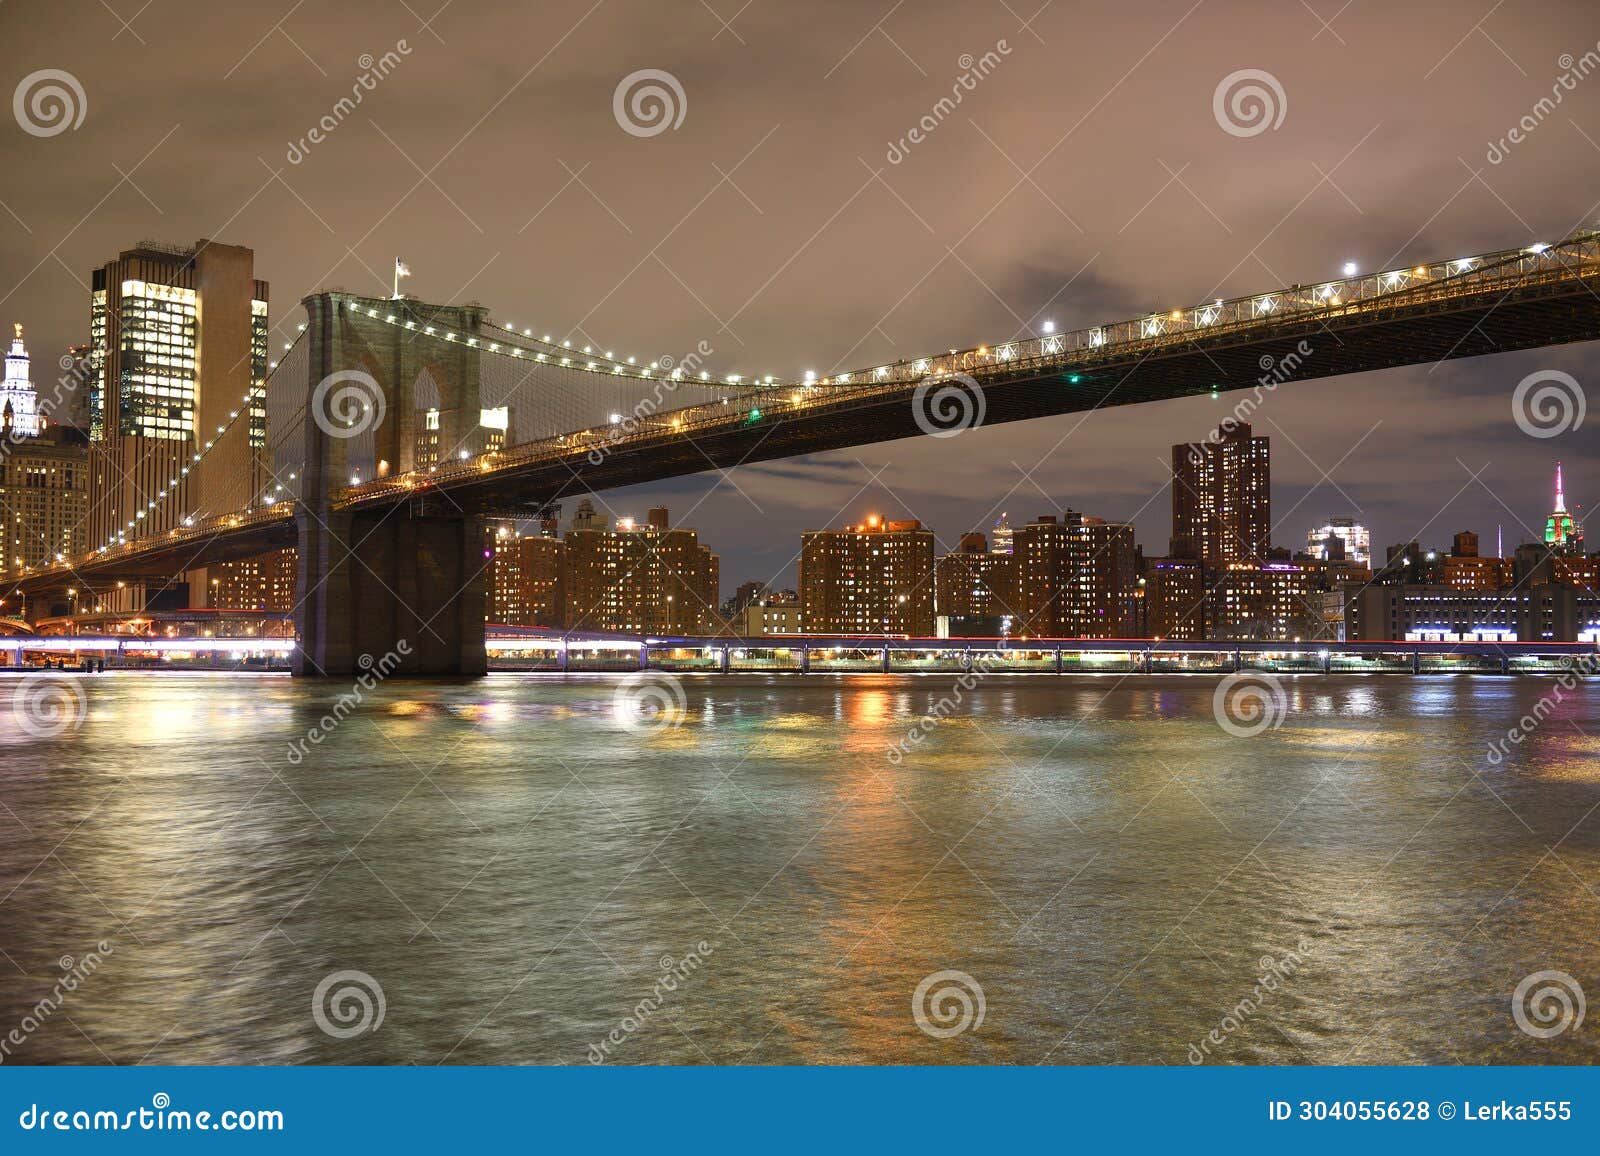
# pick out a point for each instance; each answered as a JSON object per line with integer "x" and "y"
{"x": 1399, "y": 445}
{"x": 73, "y": 396}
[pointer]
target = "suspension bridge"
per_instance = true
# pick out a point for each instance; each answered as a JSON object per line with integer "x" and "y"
{"x": 397, "y": 426}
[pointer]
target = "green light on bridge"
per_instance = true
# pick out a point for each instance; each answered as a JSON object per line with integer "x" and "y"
{"x": 755, "y": 415}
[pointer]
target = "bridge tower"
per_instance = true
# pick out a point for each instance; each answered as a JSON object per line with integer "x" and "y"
{"x": 405, "y": 586}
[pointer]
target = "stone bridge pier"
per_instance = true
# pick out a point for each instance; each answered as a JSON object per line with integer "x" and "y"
{"x": 401, "y": 590}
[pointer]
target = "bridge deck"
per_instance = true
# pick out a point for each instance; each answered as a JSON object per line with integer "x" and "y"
{"x": 1470, "y": 307}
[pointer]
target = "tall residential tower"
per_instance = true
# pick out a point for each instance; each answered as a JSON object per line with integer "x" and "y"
{"x": 1221, "y": 497}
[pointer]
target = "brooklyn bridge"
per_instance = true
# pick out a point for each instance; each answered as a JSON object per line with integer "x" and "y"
{"x": 396, "y": 426}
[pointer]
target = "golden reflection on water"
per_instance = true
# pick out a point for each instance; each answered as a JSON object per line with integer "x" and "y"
{"x": 1103, "y": 858}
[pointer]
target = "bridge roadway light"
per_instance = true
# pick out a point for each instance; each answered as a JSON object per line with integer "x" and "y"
{"x": 1351, "y": 269}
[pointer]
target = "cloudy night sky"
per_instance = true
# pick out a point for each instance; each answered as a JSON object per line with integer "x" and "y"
{"x": 789, "y": 223}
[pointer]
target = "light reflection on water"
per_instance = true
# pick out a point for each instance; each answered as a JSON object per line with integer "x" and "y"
{"x": 511, "y": 864}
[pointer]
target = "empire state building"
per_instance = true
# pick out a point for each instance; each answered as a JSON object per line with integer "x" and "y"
{"x": 1561, "y": 533}
{"x": 19, "y": 404}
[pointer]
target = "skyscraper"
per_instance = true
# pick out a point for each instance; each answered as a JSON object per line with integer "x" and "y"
{"x": 1561, "y": 534}
{"x": 178, "y": 354}
{"x": 1001, "y": 542}
{"x": 19, "y": 403}
{"x": 1222, "y": 496}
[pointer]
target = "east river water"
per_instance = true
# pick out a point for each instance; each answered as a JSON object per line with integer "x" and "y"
{"x": 228, "y": 870}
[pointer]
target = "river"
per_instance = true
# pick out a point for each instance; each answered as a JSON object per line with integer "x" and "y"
{"x": 236, "y": 869}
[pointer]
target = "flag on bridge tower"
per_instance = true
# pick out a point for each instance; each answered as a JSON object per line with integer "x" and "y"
{"x": 401, "y": 269}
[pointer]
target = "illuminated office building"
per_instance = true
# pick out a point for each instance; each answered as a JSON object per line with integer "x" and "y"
{"x": 771, "y": 616}
{"x": 177, "y": 354}
{"x": 1003, "y": 538}
{"x": 495, "y": 425}
{"x": 263, "y": 583}
{"x": 1356, "y": 538}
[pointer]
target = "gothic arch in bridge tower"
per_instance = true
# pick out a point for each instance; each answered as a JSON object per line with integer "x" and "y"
{"x": 370, "y": 582}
